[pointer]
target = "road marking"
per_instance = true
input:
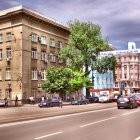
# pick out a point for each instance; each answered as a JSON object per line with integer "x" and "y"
{"x": 138, "y": 138}
{"x": 52, "y": 118}
{"x": 98, "y": 121}
{"x": 130, "y": 112}
{"x": 48, "y": 135}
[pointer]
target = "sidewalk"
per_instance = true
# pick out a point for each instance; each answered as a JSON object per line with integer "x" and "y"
{"x": 26, "y": 112}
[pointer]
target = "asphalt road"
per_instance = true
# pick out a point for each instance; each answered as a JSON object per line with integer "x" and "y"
{"x": 104, "y": 124}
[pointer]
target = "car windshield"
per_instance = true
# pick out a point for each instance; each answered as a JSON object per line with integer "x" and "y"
{"x": 124, "y": 99}
{"x": 103, "y": 95}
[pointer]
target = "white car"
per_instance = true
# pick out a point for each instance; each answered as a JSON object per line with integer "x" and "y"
{"x": 103, "y": 98}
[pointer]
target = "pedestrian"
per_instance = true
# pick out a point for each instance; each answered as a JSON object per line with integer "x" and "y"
{"x": 42, "y": 98}
{"x": 16, "y": 100}
{"x": 32, "y": 100}
{"x": 60, "y": 102}
{"x": 6, "y": 102}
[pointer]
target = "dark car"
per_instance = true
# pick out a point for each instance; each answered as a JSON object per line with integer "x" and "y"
{"x": 137, "y": 98}
{"x": 3, "y": 102}
{"x": 80, "y": 101}
{"x": 49, "y": 103}
{"x": 93, "y": 99}
{"x": 126, "y": 102}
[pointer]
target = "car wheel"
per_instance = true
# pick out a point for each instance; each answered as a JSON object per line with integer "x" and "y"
{"x": 118, "y": 107}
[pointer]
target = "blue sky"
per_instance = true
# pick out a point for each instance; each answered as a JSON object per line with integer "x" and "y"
{"x": 119, "y": 19}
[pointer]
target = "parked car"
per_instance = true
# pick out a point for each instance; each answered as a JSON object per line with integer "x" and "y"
{"x": 49, "y": 103}
{"x": 105, "y": 98}
{"x": 94, "y": 98}
{"x": 3, "y": 102}
{"x": 80, "y": 101}
{"x": 126, "y": 102}
{"x": 136, "y": 96}
{"x": 115, "y": 97}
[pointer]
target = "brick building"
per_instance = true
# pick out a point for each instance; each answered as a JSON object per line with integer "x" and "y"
{"x": 29, "y": 44}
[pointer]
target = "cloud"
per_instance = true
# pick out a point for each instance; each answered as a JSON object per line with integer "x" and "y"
{"x": 119, "y": 19}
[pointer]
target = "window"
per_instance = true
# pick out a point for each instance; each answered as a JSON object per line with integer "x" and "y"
{"x": 131, "y": 75}
{"x": 43, "y": 40}
{"x": 103, "y": 80}
{"x": 0, "y": 93}
{"x": 43, "y": 73}
{"x": 111, "y": 81}
{"x": 59, "y": 44}
{"x": 9, "y": 36}
{"x": 52, "y": 42}
{"x": 34, "y": 53}
{"x": 131, "y": 67}
{"x": 136, "y": 84}
{"x": 43, "y": 56}
{"x": 106, "y": 80}
{"x": 8, "y": 74}
{"x": 119, "y": 59}
{"x": 0, "y": 54}
{"x": 125, "y": 76}
{"x": 34, "y": 92}
{"x": 98, "y": 81}
{"x": 0, "y": 37}
{"x": 34, "y": 37}
{"x": 125, "y": 67}
{"x": 34, "y": 74}
{"x": 8, "y": 52}
{"x": 0, "y": 75}
{"x": 52, "y": 57}
{"x": 116, "y": 84}
{"x": 124, "y": 58}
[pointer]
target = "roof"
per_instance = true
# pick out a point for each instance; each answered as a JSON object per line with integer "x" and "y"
{"x": 33, "y": 13}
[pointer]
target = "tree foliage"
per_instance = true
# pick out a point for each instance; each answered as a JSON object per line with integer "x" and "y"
{"x": 85, "y": 43}
{"x": 63, "y": 80}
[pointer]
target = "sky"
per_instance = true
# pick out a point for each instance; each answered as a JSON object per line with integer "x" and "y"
{"x": 119, "y": 19}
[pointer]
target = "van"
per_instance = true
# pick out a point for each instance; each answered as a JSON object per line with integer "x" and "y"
{"x": 105, "y": 96}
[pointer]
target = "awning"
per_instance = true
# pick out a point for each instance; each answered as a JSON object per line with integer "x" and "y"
{"x": 116, "y": 88}
{"x": 94, "y": 90}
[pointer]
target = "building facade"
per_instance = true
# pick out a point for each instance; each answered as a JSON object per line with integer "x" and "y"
{"x": 127, "y": 72}
{"x": 101, "y": 82}
{"x": 29, "y": 45}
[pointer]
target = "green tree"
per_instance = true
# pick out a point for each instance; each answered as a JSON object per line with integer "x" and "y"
{"x": 78, "y": 81}
{"x": 63, "y": 80}
{"x": 85, "y": 43}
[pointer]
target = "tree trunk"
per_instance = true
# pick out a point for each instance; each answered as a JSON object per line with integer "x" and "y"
{"x": 87, "y": 89}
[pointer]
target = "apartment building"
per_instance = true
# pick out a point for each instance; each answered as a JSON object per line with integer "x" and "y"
{"x": 127, "y": 72}
{"x": 29, "y": 44}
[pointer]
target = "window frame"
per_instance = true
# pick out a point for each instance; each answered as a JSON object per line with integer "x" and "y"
{"x": 8, "y": 36}
{"x": 52, "y": 42}
{"x": 34, "y": 74}
{"x": 1, "y": 38}
{"x": 8, "y": 74}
